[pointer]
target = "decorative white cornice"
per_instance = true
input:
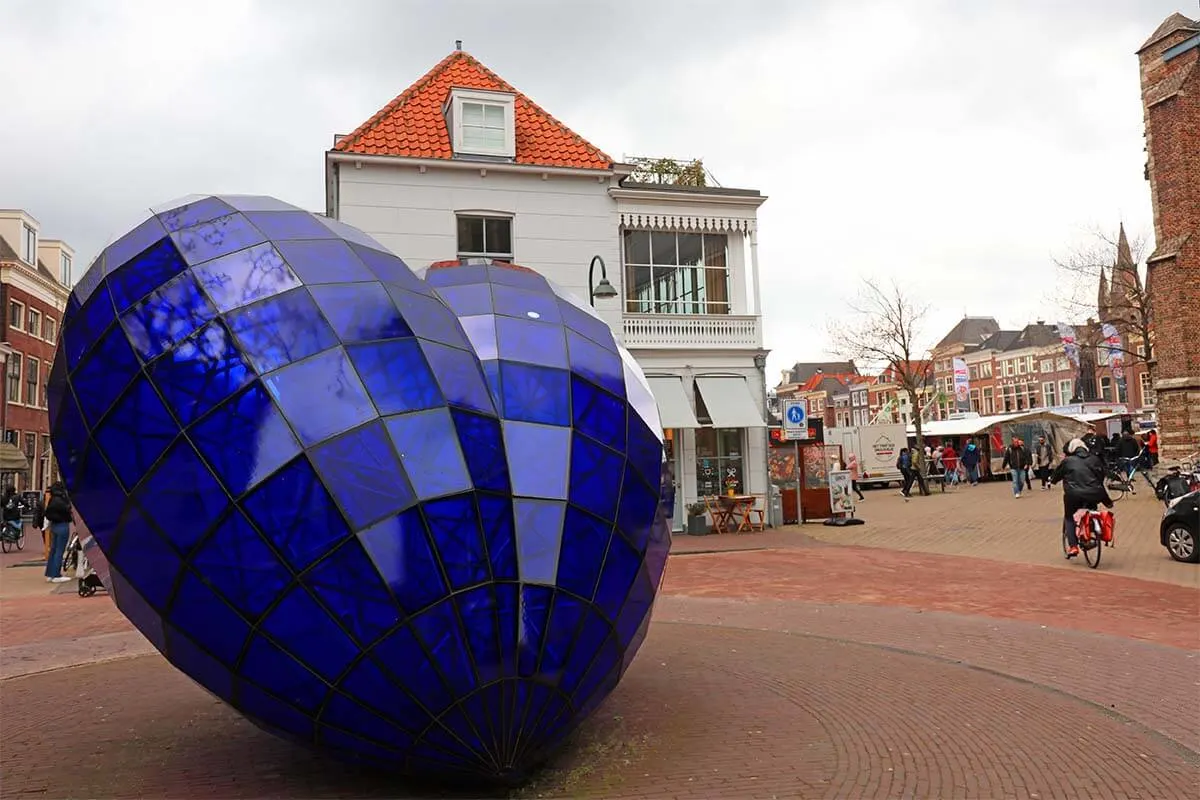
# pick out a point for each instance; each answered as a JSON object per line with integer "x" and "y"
{"x": 48, "y": 291}
{"x": 686, "y": 222}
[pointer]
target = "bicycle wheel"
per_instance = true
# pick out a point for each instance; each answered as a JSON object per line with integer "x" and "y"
{"x": 1116, "y": 487}
{"x": 1091, "y": 553}
{"x": 5, "y": 544}
{"x": 21, "y": 541}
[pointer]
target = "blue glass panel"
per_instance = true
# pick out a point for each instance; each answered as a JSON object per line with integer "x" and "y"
{"x": 459, "y": 375}
{"x": 240, "y": 566}
{"x": 352, "y": 234}
{"x": 464, "y": 274}
{"x": 464, "y": 730}
{"x": 215, "y": 238}
{"x": 539, "y": 534}
{"x": 593, "y": 632}
{"x": 565, "y": 619}
{"x": 199, "y": 665}
{"x": 258, "y": 202}
{"x": 599, "y": 365}
{"x": 522, "y": 278}
{"x": 105, "y": 373}
{"x": 182, "y": 497}
{"x": 439, "y": 629}
{"x": 296, "y": 513}
{"x": 92, "y": 278}
{"x": 136, "y": 432}
{"x": 582, "y": 322}
{"x": 367, "y": 683}
{"x": 598, "y": 414}
{"x": 360, "y": 312}
{"x": 535, "y": 613}
{"x": 637, "y": 608}
{"x": 329, "y": 261}
{"x": 308, "y": 632}
{"x": 80, "y": 331}
{"x": 350, "y": 587}
{"x": 620, "y": 566}
{"x": 280, "y": 226}
{"x": 595, "y": 477}
{"x": 428, "y": 447}
{"x": 535, "y": 453}
{"x": 245, "y": 439}
{"x": 257, "y": 704}
{"x": 467, "y": 300}
{"x": 645, "y": 452}
{"x": 403, "y": 657}
{"x": 458, "y": 539}
{"x": 636, "y": 513}
{"x": 428, "y": 317}
{"x": 496, "y": 514}
{"x": 481, "y": 333}
{"x": 539, "y": 305}
{"x": 68, "y": 431}
{"x": 148, "y": 620}
{"x": 487, "y": 708}
{"x": 479, "y": 614}
{"x": 201, "y": 372}
{"x": 585, "y": 541}
{"x": 491, "y": 374}
{"x": 535, "y": 394}
{"x": 136, "y": 241}
{"x": 483, "y": 446}
{"x": 147, "y": 271}
{"x": 358, "y": 749}
{"x": 387, "y": 267}
{"x": 186, "y": 216}
{"x": 321, "y": 396}
{"x": 363, "y": 474}
{"x": 245, "y": 277}
{"x": 396, "y": 375}
{"x": 600, "y": 678}
{"x": 145, "y": 560}
{"x": 554, "y": 709}
{"x": 200, "y": 614}
{"x": 345, "y": 713}
{"x": 399, "y": 548}
{"x": 265, "y": 664}
{"x": 281, "y": 330}
{"x": 532, "y": 342}
{"x": 96, "y": 494}
{"x": 508, "y": 625}
{"x": 167, "y": 316}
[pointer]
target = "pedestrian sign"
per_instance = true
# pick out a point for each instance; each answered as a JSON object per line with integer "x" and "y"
{"x": 795, "y": 419}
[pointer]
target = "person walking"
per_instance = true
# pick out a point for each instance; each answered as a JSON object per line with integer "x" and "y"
{"x": 970, "y": 462}
{"x": 852, "y": 466}
{"x": 920, "y": 467}
{"x": 1043, "y": 459}
{"x": 1026, "y": 465}
{"x": 950, "y": 464}
{"x": 1152, "y": 447}
{"x": 58, "y": 514}
{"x": 1015, "y": 461}
{"x": 904, "y": 464}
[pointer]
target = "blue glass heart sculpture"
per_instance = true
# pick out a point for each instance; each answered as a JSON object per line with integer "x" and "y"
{"x": 415, "y": 522}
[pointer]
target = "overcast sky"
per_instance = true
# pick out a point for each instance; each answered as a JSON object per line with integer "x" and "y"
{"x": 953, "y": 146}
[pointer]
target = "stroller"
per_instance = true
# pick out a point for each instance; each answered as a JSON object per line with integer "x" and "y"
{"x": 75, "y": 559}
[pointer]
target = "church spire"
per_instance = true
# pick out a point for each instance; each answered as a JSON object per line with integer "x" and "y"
{"x": 1102, "y": 297}
{"x": 1125, "y": 282}
{"x": 1124, "y": 256}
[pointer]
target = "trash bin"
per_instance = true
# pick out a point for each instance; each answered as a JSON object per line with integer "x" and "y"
{"x": 775, "y": 510}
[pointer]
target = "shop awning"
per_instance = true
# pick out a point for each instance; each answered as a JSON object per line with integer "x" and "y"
{"x": 673, "y": 406}
{"x": 730, "y": 403}
{"x": 12, "y": 459}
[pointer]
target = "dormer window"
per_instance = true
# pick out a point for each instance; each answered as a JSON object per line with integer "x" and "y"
{"x": 482, "y": 123}
{"x": 30, "y": 243}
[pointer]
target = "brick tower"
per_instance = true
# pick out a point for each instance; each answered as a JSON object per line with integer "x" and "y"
{"x": 1170, "y": 73}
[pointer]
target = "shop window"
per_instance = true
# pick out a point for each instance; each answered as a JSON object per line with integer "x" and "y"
{"x": 719, "y": 464}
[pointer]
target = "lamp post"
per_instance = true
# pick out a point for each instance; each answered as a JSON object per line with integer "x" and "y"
{"x": 604, "y": 290}
{"x": 760, "y": 363}
{"x": 6, "y": 351}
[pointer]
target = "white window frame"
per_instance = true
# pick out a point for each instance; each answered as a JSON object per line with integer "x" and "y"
{"x": 506, "y": 102}
{"x": 36, "y": 363}
{"x": 64, "y": 269}
{"x": 1146, "y": 384}
{"x": 1107, "y": 387}
{"x": 1047, "y": 365}
{"x": 1049, "y": 394}
{"x": 29, "y": 244}
{"x": 1066, "y": 390}
{"x": 49, "y": 326}
{"x": 19, "y": 324}
{"x": 32, "y": 314}
{"x": 15, "y": 358}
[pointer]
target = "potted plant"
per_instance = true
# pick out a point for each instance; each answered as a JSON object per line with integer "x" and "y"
{"x": 697, "y": 524}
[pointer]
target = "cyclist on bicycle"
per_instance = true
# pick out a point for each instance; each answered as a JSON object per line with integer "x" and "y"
{"x": 12, "y": 508}
{"x": 1082, "y": 475}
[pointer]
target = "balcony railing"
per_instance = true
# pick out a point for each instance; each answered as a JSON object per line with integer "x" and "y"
{"x": 671, "y": 331}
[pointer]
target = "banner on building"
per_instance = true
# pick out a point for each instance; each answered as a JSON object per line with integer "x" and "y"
{"x": 1112, "y": 339}
{"x": 962, "y": 386}
{"x": 1070, "y": 344}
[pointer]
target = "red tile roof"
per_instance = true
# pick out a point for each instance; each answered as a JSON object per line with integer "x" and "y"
{"x": 413, "y": 126}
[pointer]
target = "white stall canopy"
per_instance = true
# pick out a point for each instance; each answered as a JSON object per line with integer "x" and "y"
{"x": 673, "y": 406}
{"x": 730, "y": 403}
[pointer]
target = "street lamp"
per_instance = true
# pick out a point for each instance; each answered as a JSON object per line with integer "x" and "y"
{"x": 604, "y": 290}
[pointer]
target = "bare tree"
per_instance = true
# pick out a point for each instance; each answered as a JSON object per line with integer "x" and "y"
{"x": 1105, "y": 259}
{"x": 884, "y": 333}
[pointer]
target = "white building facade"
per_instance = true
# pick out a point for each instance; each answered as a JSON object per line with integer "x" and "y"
{"x": 463, "y": 165}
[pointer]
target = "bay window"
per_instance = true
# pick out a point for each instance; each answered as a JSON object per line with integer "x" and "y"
{"x": 676, "y": 273}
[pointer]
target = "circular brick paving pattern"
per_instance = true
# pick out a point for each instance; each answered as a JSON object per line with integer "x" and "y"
{"x": 704, "y": 712}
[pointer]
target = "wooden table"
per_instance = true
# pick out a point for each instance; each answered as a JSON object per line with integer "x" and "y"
{"x": 736, "y": 508}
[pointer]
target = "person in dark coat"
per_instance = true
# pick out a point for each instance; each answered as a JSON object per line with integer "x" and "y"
{"x": 58, "y": 514}
{"x": 1016, "y": 459}
{"x": 1082, "y": 476}
{"x": 970, "y": 462}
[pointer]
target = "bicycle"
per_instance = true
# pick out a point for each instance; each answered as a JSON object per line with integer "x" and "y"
{"x": 12, "y": 534}
{"x": 1091, "y": 540}
{"x": 1118, "y": 479}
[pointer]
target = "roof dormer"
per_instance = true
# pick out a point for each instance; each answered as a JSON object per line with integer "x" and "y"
{"x": 482, "y": 123}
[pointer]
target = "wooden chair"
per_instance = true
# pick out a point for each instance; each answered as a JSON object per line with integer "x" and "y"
{"x": 712, "y": 504}
{"x": 756, "y": 511}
